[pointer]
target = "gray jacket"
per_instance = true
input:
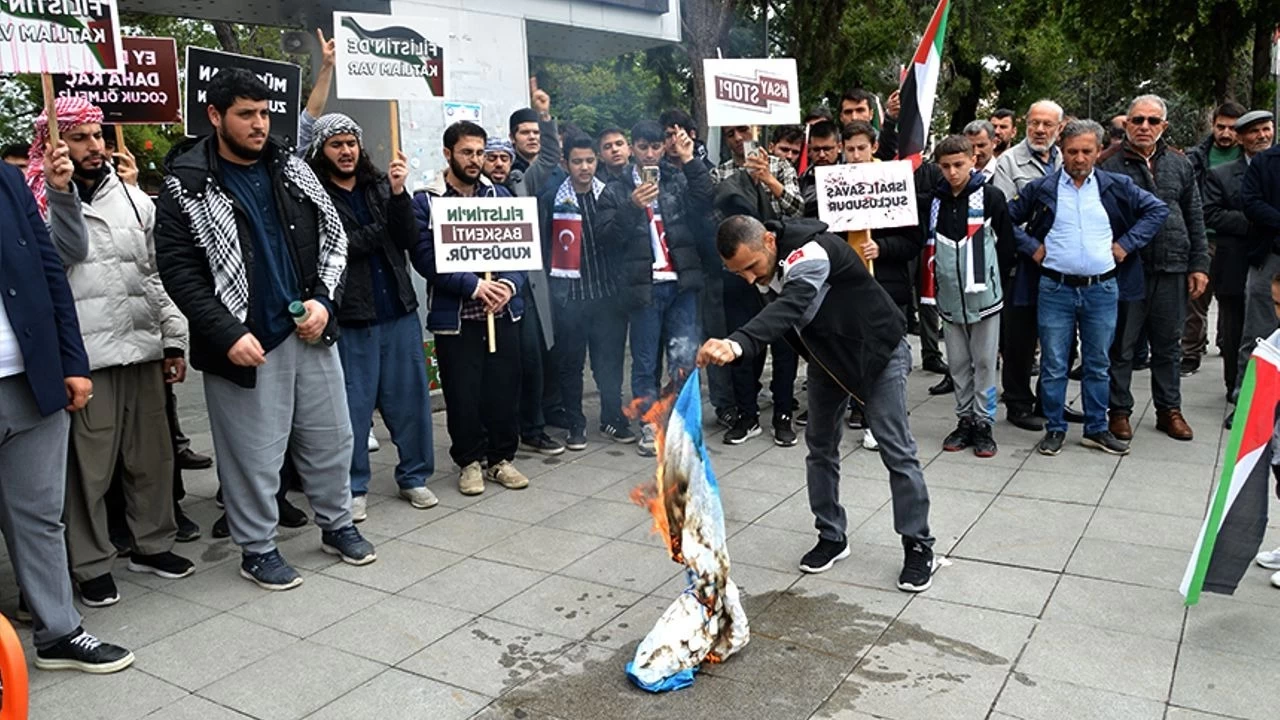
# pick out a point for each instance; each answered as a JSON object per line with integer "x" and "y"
{"x": 1181, "y": 245}
{"x": 531, "y": 183}
{"x": 1018, "y": 166}
{"x": 108, "y": 248}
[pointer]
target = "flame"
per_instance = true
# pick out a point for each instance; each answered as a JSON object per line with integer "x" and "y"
{"x": 656, "y": 495}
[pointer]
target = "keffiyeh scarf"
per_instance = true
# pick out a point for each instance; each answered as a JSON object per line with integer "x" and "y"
{"x": 71, "y": 112}
{"x": 566, "y": 230}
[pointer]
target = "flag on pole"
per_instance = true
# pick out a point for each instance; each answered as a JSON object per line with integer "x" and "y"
{"x": 920, "y": 88}
{"x": 1237, "y": 518}
{"x": 804, "y": 152}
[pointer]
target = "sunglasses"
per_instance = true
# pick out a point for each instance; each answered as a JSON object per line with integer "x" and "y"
{"x": 1139, "y": 119}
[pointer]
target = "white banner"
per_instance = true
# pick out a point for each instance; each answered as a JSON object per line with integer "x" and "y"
{"x": 752, "y": 91}
{"x": 486, "y": 234}
{"x": 389, "y": 57}
{"x": 863, "y": 196}
{"x": 47, "y": 36}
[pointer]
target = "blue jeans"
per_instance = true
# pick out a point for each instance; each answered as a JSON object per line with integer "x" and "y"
{"x": 1061, "y": 310}
{"x": 672, "y": 314}
{"x": 385, "y": 367}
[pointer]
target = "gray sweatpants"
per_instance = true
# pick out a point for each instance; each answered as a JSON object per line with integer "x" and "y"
{"x": 971, "y": 356}
{"x": 885, "y": 406}
{"x": 299, "y": 393}
{"x": 1259, "y": 311}
{"x": 33, "y": 471}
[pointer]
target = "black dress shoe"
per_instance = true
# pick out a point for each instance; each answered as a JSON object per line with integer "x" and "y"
{"x": 290, "y": 515}
{"x": 936, "y": 366}
{"x": 945, "y": 387}
{"x": 1027, "y": 421}
{"x": 1072, "y": 415}
{"x": 189, "y": 459}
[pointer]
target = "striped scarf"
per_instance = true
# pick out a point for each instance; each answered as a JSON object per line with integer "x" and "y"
{"x": 566, "y": 230}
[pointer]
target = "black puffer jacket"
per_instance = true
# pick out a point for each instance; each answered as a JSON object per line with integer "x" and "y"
{"x": 1181, "y": 245}
{"x": 684, "y": 197}
{"x": 1224, "y": 213}
{"x": 393, "y": 233}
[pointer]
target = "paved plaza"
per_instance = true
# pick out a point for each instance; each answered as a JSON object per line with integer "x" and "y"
{"x": 1061, "y": 601}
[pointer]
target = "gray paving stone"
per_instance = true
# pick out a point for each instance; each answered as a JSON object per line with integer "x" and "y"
{"x": 841, "y": 620}
{"x": 541, "y": 548}
{"x": 1033, "y": 697}
{"x": 1074, "y": 459}
{"x": 1145, "y": 528}
{"x": 625, "y": 565}
{"x": 464, "y": 532}
{"x": 1155, "y": 497}
{"x": 1102, "y": 659}
{"x": 633, "y": 624}
{"x": 969, "y": 634}
{"x": 951, "y": 515}
{"x": 1227, "y": 625}
{"x": 142, "y": 620}
{"x": 769, "y": 548}
{"x": 1029, "y": 533}
{"x": 293, "y": 682}
{"x": 473, "y": 585}
{"x": 400, "y": 564}
{"x": 1000, "y": 587}
{"x": 1059, "y": 486}
{"x": 126, "y": 696}
{"x": 194, "y": 707}
{"x": 531, "y": 505}
{"x": 317, "y": 603}
{"x": 873, "y": 566}
{"x": 1146, "y": 611}
{"x": 899, "y": 683}
{"x": 1167, "y": 473}
{"x": 579, "y": 478}
{"x": 594, "y": 516}
{"x": 392, "y": 629}
{"x": 398, "y": 695}
{"x": 223, "y": 644}
{"x": 1223, "y": 683}
{"x": 487, "y": 656}
{"x": 952, "y": 470}
{"x": 763, "y": 477}
{"x": 395, "y": 517}
{"x": 220, "y": 588}
{"x": 564, "y": 606}
{"x": 1124, "y": 562}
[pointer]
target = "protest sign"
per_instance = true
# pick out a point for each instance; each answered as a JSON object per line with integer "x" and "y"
{"x": 486, "y": 234}
{"x": 862, "y": 196}
{"x": 387, "y": 57}
{"x": 60, "y": 36}
{"x": 145, "y": 93}
{"x": 458, "y": 111}
{"x": 284, "y": 80}
{"x": 752, "y": 91}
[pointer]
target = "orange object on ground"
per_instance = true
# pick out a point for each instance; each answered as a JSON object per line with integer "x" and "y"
{"x": 13, "y": 674}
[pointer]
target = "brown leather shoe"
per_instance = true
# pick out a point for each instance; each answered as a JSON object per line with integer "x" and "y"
{"x": 1173, "y": 424}
{"x": 1119, "y": 426}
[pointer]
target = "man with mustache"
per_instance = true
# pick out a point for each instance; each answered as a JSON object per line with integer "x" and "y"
{"x": 246, "y": 236}
{"x": 381, "y": 341}
{"x": 103, "y": 230}
{"x": 481, "y": 389}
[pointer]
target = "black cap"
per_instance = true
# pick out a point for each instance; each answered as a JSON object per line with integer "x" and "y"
{"x": 521, "y": 116}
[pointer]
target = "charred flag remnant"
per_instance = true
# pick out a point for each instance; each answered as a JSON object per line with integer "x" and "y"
{"x": 707, "y": 622}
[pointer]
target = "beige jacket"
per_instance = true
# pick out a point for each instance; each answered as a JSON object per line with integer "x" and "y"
{"x": 110, "y": 256}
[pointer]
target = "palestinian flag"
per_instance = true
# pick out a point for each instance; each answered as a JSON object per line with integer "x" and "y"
{"x": 920, "y": 87}
{"x": 1237, "y": 520}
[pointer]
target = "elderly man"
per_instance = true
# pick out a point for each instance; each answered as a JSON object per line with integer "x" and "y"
{"x": 103, "y": 230}
{"x": 1175, "y": 265}
{"x": 1260, "y": 199}
{"x": 1082, "y": 223}
{"x": 1029, "y": 160}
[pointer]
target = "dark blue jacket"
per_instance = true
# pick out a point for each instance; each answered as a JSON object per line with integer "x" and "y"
{"x": 36, "y": 297}
{"x": 1260, "y": 194}
{"x": 1136, "y": 216}
{"x": 447, "y": 291}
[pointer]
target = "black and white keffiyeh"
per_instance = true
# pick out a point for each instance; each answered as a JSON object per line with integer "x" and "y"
{"x": 329, "y": 125}
{"x": 213, "y": 223}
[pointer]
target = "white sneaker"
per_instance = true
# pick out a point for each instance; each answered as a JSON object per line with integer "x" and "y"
{"x": 419, "y": 497}
{"x": 648, "y": 445}
{"x": 471, "y": 481}
{"x": 373, "y": 442}
{"x": 1275, "y": 580}
{"x": 1269, "y": 560}
{"x": 359, "y": 508}
{"x": 869, "y": 441}
{"x": 506, "y": 474}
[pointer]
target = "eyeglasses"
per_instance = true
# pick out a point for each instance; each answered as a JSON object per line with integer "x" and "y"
{"x": 1140, "y": 119}
{"x": 821, "y": 150}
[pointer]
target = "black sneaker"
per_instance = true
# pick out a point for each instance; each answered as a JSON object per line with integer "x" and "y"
{"x": 165, "y": 564}
{"x": 348, "y": 544}
{"x": 727, "y": 418}
{"x": 100, "y": 591}
{"x": 946, "y": 386}
{"x": 543, "y": 443}
{"x": 1189, "y": 366}
{"x": 559, "y": 418}
{"x": 961, "y": 437}
{"x": 1106, "y": 442}
{"x": 1052, "y": 443}
{"x": 189, "y": 459}
{"x": 747, "y": 427}
{"x": 290, "y": 515}
{"x": 917, "y": 567}
{"x": 620, "y": 433}
{"x": 824, "y": 555}
{"x": 802, "y": 418}
{"x": 84, "y": 652}
{"x": 269, "y": 571}
{"x": 984, "y": 445}
{"x": 220, "y": 529}
{"x": 784, "y": 435}
{"x": 1076, "y": 373}
{"x": 856, "y": 420}
{"x": 1026, "y": 420}
{"x": 577, "y": 440}
{"x": 188, "y": 530}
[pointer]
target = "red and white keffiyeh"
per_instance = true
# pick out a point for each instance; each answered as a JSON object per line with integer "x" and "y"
{"x": 71, "y": 112}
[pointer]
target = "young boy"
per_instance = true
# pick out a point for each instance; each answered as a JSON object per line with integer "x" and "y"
{"x": 973, "y": 237}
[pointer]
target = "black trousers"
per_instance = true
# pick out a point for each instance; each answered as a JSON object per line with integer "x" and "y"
{"x": 1019, "y": 330}
{"x": 481, "y": 391}
{"x": 1230, "y": 336}
{"x": 741, "y": 303}
{"x": 539, "y": 374}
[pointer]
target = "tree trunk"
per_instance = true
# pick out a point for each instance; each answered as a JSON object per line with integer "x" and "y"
{"x": 706, "y": 28}
{"x": 1261, "y": 85}
{"x": 227, "y": 36}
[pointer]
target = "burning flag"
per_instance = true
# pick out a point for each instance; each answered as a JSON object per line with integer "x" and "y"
{"x": 1237, "y": 518}
{"x": 707, "y": 622}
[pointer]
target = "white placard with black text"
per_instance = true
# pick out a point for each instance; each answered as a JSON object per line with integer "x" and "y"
{"x": 752, "y": 91}
{"x": 862, "y": 196}
{"x": 390, "y": 57}
{"x": 486, "y": 234}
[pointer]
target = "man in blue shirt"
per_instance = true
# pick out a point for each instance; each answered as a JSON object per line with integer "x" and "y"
{"x": 1081, "y": 223}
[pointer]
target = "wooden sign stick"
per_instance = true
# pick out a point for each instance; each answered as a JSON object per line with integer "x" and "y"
{"x": 120, "y": 146}
{"x": 46, "y": 82}
{"x": 395, "y": 128}
{"x": 493, "y": 341}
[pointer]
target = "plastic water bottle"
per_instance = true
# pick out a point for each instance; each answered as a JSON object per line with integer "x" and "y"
{"x": 300, "y": 313}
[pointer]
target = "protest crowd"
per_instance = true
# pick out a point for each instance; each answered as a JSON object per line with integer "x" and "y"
{"x": 1041, "y": 249}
